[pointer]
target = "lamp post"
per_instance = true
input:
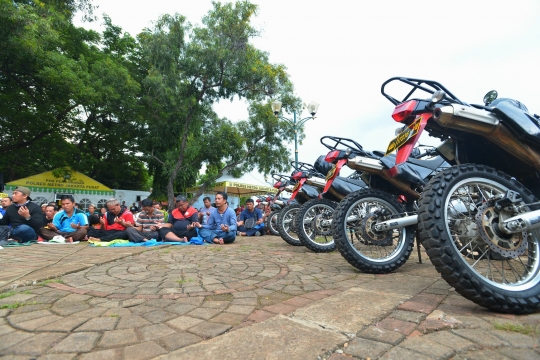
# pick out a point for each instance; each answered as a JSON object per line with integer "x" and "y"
{"x": 294, "y": 123}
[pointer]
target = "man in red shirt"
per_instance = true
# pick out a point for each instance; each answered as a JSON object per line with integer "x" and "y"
{"x": 182, "y": 221}
{"x": 113, "y": 223}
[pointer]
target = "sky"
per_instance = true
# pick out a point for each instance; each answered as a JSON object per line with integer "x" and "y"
{"x": 339, "y": 52}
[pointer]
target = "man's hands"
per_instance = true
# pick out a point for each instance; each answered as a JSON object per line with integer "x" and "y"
{"x": 24, "y": 212}
{"x": 52, "y": 227}
{"x": 225, "y": 227}
{"x": 76, "y": 226}
{"x": 122, "y": 222}
{"x": 193, "y": 225}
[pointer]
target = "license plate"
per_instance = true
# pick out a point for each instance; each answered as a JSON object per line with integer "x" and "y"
{"x": 331, "y": 172}
{"x": 405, "y": 136}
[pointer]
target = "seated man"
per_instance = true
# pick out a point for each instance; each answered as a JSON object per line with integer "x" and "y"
{"x": 182, "y": 220}
{"x": 147, "y": 225}
{"x": 251, "y": 220}
{"x": 50, "y": 212}
{"x": 25, "y": 217}
{"x": 69, "y": 223}
{"x": 221, "y": 226}
{"x": 4, "y": 229}
{"x": 113, "y": 223}
{"x": 205, "y": 211}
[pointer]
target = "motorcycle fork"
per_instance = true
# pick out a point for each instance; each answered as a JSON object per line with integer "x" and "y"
{"x": 297, "y": 189}
{"x": 329, "y": 180}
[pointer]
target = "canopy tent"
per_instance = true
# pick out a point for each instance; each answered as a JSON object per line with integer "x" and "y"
{"x": 245, "y": 185}
{"x": 71, "y": 182}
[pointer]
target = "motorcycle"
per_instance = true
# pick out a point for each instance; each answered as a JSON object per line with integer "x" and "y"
{"x": 374, "y": 228}
{"x": 479, "y": 220}
{"x": 283, "y": 183}
{"x": 314, "y": 218}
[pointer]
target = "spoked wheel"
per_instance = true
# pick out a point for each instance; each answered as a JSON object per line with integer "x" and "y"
{"x": 314, "y": 220}
{"x": 286, "y": 224}
{"x": 271, "y": 223}
{"x": 459, "y": 229}
{"x": 371, "y": 251}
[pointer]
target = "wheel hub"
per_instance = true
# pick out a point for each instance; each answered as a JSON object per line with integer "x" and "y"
{"x": 320, "y": 225}
{"x": 381, "y": 238}
{"x": 507, "y": 245}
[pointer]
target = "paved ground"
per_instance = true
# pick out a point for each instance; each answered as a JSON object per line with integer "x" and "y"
{"x": 258, "y": 298}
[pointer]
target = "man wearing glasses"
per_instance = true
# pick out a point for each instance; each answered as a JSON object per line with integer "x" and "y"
{"x": 113, "y": 223}
{"x": 25, "y": 217}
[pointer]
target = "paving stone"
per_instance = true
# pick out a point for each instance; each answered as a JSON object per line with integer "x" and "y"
{"x": 72, "y": 299}
{"x": 77, "y": 342}
{"x": 37, "y": 323}
{"x": 425, "y": 303}
{"x": 245, "y": 301}
{"x": 132, "y": 321}
{"x": 153, "y": 332}
{"x": 280, "y": 308}
{"x": 516, "y": 339}
{"x": 13, "y": 338}
{"x": 310, "y": 341}
{"x": 19, "y": 318}
{"x": 399, "y": 353}
{"x": 64, "y": 324}
{"x": 428, "y": 348}
{"x": 147, "y": 350}
{"x": 365, "y": 348}
{"x": 204, "y": 313}
{"x": 481, "y": 337}
{"x": 298, "y": 301}
{"x": 4, "y": 329}
{"x": 403, "y": 327}
{"x": 4, "y": 312}
{"x": 184, "y": 322}
{"x": 228, "y": 318}
{"x": 35, "y": 345}
{"x": 98, "y": 324}
{"x": 241, "y": 309}
{"x": 224, "y": 304}
{"x": 68, "y": 356}
{"x": 481, "y": 354}
{"x": 30, "y": 308}
{"x": 68, "y": 310}
{"x": 17, "y": 298}
{"x": 181, "y": 308}
{"x": 158, "y": 316}
{"x": 518, "y": 354}
{"x": 410, "y": 316}
{"x": 132, "y": 302}
{"x": 102, "y": 355}
{"x": 383, "y": 335}
{"x": 453, "y": 341}
{"x": 116, "y": 338}
{"x": 209, "y": 329}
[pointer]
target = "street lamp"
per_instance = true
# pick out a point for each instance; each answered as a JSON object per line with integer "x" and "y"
{"x": 312, "y": 109}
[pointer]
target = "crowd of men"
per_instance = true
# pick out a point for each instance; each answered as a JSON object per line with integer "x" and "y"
{"x": 22, "y": 221}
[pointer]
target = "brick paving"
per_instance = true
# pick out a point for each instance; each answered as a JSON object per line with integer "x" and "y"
{"x": 190, "y": 301}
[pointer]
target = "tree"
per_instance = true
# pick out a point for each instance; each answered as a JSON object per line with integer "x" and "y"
{"x": 190, "y": 68}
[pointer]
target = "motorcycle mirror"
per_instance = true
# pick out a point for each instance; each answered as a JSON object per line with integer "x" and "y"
{"x": 437, "y": 96}
{"x": 400, "y": 129}
{"x": 490, "y": 97}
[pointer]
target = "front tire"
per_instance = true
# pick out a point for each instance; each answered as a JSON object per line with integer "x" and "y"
{"x": 368, "y": 250}
{"x": 286, "y": 224}
{"x": 314, "y": 225}
{"x": 495, "y": 270}
{"x": 271, "y": 222}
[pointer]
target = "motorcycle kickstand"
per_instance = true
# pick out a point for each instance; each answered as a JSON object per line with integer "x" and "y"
{"x": 417, "y": 237}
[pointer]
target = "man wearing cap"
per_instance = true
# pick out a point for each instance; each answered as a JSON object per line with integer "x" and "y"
{"x": 24, "y": 216}
{"x": 181, "y": 224}
{"x": 68, "y": 223}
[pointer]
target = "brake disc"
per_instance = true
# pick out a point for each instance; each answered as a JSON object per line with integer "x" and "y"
{"x": 381, "y": 238}
{"x": 508, "y": 245}
{"x": 321, "y": 225}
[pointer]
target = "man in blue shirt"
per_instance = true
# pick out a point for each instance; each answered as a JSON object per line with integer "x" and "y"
{"x": 251, "y": 220}
{"x": 69, "y": 223}
{"x": 221, "y": 225}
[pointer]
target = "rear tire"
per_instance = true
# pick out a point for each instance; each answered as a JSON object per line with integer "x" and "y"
{"x": 314, "y": 231}
{"x": 286, "y": 224}
{"x": 365, "y": 249}
{"x": 498, "y": 271}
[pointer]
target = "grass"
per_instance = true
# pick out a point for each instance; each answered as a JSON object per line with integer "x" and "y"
{"x": 166, "y": 251}
{"x": 7, "y": 294}
{"x": 15, "y": 305}
{"x": 113, "y": 315}
{"x": 43, "y": 283}
{"x": 180, "y": 281}
{"x": 518, "y": 328}
{"x": 215, "y": 249}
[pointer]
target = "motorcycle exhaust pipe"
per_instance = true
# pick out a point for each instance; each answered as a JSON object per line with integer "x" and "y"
{"x": 396, "y": 223}
{"x": 522, "y": 222}
{"x": 316, "y": 181}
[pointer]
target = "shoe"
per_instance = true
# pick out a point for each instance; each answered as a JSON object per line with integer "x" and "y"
{"x": 258, "y": 233}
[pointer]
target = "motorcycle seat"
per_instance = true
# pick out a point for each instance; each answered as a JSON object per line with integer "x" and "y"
{"x": 430, "y": 164}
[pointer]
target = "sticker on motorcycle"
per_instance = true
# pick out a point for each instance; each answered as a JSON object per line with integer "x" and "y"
{"x": 404, "y": 136}
{"x": 296, "y": 186}
{"x": 331, "y": 172}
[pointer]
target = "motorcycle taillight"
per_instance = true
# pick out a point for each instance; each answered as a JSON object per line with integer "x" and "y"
{"x": 403, "y": 111}
{"x": 268, "y": 198}
{"x": 278, "y": 184}
{"x": 332, "y": 156}
{"x": 297, "y": 175}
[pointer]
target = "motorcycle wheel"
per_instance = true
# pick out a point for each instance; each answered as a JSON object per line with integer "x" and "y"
{"x": 497, "y": 271}
{"x": 271, "y": 223}
{"x": 368, "y": 250}
{"x": 314, "y": 225}
{"x": 286, "y": 224}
